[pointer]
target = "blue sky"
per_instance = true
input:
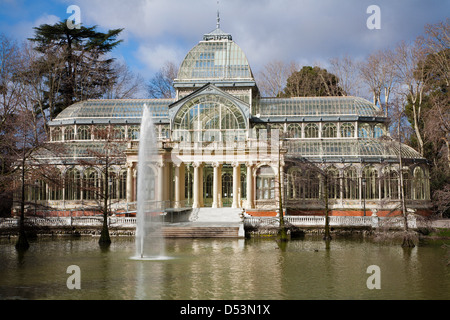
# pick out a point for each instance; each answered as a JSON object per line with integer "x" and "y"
{"x": 305, "y": 31}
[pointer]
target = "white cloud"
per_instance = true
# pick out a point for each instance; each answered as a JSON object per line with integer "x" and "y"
{"x": 306, "y": 31}
{"x": 155, "y": 57}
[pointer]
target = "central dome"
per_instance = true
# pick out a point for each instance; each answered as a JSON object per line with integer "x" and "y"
{"x": 215, "y": 59}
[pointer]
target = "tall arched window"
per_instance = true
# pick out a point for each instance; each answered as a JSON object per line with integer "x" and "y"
{"x": 389, "y": 187}
{"x": 407, "y": 185}
{"x": 350, "y": 184}
{"x": 123, "y": 184}
{"x": 311, "y": 130}
{"x": 370, "y": 176}
{"x": 294, "y": 183}
{"x": 91, "y": 184}
{"x": 419, "y": 184}
{"x": 55, "y": 188}
{"x": 311, "y": 184}
{"x": 72, "y": 184}
{"x": 333, "y": 183}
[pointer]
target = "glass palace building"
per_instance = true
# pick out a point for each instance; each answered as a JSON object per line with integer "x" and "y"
{"x": 220, "y": 144}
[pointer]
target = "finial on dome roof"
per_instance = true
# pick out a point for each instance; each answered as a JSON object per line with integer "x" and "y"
{"x": 217, "y": 34}
{"x": 218, "y": 15}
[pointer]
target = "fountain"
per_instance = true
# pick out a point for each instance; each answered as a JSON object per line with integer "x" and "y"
{"x": 149, "y": 238}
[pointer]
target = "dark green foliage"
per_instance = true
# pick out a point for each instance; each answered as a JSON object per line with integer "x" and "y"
{"x": 74, "y": 63}
{"x": 312, "y": 82}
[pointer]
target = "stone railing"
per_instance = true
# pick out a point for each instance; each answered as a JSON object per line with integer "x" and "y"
{"x": 69, "y": 221}
{"x": 335, "y": 221}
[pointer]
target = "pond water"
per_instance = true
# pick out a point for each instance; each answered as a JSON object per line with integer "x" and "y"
{"x": 222, "y": 269}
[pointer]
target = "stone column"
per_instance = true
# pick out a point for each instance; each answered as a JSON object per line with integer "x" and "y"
{"x": 250, "y": 204}
{"x": 129, "y": 182}
{"x": 219, "y": 195}
{"x": 177, "y": 185}
{"x": 160, "y": 190}
{"x": 236, "y": 178}
{"x": 215, "y": 203}
{"x": 196, "y": 186}
{"x": 201, "y": 182}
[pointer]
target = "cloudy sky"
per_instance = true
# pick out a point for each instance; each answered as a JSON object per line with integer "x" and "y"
{"x": 305, "y": 31}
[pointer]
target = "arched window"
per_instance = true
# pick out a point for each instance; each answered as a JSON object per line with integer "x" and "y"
{"x": 311, "y": 130}
{"x": 364, "y": 131}
{"x": 419, "y": 184}
{"x": 350, "y": 184}
{"x": 378, "y": 131}
{"x": 72, "y": 184}
{"x": 347, "y": 130}
{"x": 370, "y": 179}
{"x": 310, "y": 184}
{"x": 209, "y": 113}
{"x": 69, "y": 134}
{"x": 407, "y": 185}
{"x": 333, "y": 183}
{"x": 113, "y": 184}
{"x": 123, "y": 184}
{"x": 329, "y": 130}
{"x": 91, "y": 184}
{"x": 119, "y": 133}
{"x": 56, "y": 134}
{"x": 294, "y": 130}
{"x": 265, "y": 183}
{"x": 84, "y": 133}
{"x": 390, "y": 185}
{"x": 133, "y": 132}
{"x": 294, "y": 182}
{"x": 54, "y": 188}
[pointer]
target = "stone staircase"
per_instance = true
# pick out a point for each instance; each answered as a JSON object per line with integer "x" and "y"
{"x": 208, "y": 223}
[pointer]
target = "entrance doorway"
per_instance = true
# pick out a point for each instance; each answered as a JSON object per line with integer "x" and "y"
{"x": 227, "y": 188}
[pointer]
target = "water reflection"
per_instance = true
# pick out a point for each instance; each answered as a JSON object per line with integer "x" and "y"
{"x": 252, "y": 269}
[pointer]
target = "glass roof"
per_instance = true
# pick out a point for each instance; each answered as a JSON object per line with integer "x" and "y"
{"x": 314, "y": 106}
{"x": 116, "y": 109}
{"x": 215, "y": 60}
{"x": 339, "y": 148}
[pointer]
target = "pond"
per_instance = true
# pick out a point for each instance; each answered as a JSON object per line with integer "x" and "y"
{"x": 223, "y": 269}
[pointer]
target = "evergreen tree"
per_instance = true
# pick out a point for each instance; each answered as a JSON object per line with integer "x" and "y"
{"x": 74, "y": 63}
{"x": 312, "y": 82}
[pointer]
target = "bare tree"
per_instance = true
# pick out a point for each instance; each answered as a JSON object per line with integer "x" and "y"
{"x": 126, "y": 85}
{"x": 107, "y": 153}
{"x": 346, "y": 69}
{"x": 273, "y": 77}
{"x": 379, "y": 75}
{"x": 161, "y": 85}
{"x": 410, "y": 67}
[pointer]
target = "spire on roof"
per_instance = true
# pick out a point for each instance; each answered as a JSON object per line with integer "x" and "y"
{"x": 218, "y": 16}
{"x": 217, "y": 34}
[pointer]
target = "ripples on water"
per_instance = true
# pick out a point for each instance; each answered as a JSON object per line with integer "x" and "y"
{"x": 224, "y": 269}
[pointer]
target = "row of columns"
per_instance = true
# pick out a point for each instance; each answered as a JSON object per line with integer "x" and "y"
{"x": 163, "y": 179}
{"x": 217, "y": 185}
